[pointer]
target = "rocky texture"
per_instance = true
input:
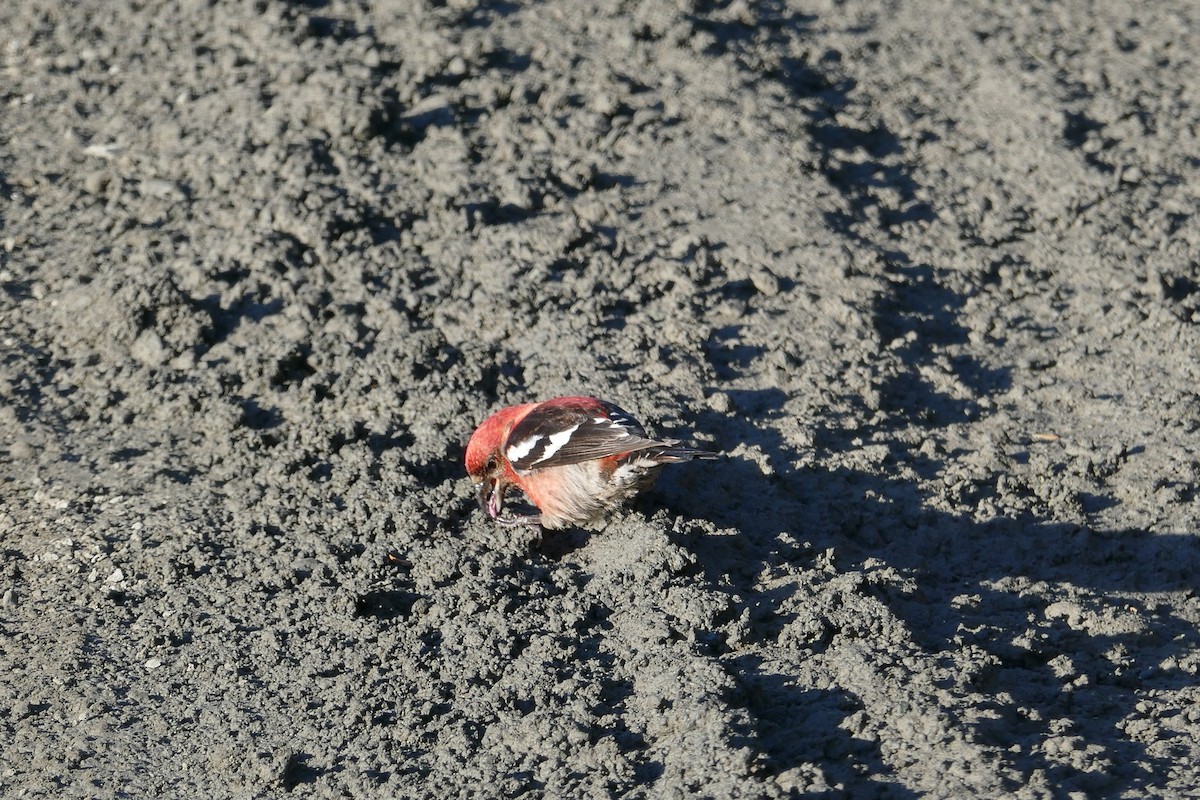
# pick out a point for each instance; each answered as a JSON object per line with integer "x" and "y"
{"x": 264, "y": 265}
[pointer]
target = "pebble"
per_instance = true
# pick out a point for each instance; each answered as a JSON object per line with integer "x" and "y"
{"x": 95, "y": 182}
{"x": 683, "y": 247}
{"x": 765, "y": 281}
{"x": 720, "y": 402}
{"x": 149, "y": 349}
{"x": 162, "y": 189}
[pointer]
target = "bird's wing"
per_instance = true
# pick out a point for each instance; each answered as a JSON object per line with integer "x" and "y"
{"x": 556, "y": 435}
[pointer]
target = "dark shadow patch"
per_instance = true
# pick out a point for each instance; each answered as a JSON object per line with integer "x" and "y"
{"x": 557, "y": 545}
{"x": 254, "y": 304}
{"x": 257, "y": 417}
{"x": 599, "y": 663}
{"x": 728, "y": 354}
{"x": 477, "y": 15}
{"x": 298, "y": 771}
{"x": 492, "y": 212}
{"x": 183, "y": 477}
{"x": 1078, "y": 130}
{"x": 794, "y": 726}
{"x": 385, "y": 604}
{"x": 335, "y": 28}
{"x": 983, "y": 592}
{"x": 126, "y": 454}
{"x": 293, "y": 368}
{"x": 858, "y": 158}
{"x": 399, "y": 126}
{"x": 917, "y": 316}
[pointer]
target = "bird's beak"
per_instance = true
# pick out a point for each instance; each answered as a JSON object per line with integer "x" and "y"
{"x": 491, "y": 497}
{"x": 482, "y": 494}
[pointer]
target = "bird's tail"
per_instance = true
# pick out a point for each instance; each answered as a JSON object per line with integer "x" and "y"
{"x": 671, "y": 452}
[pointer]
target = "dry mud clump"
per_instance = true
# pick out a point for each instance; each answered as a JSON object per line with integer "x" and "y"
{"x": 264, "y": 265}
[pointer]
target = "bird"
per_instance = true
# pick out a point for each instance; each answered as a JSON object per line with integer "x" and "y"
{"x": 576, "y": 458}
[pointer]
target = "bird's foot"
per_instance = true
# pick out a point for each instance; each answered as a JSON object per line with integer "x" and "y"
{"x": 533, "y": 521}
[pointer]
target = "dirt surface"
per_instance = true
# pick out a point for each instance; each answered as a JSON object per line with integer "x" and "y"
{"x": 927, "y": 272}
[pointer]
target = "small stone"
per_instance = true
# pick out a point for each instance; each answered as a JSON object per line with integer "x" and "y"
{"x": 162, "y": 189}
{"x": 95, "y": 182}
{"x": 1132, "y": 175}
{"x": 765, "y": 281}
{"x": 605, "y": 104}
{"x": 117, "y": 576}
{"x": 149, "y": 349}
{"x": 153, "y": 664}
{"x": 683, "y": 247}
{"x": 720, "y": 402}
{"x": 184, "y": 362}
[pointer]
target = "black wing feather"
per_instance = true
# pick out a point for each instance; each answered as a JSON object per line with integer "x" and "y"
{"x": 593, "y": 435}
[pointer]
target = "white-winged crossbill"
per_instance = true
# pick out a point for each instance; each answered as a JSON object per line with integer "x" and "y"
{"x": 575, "y": 458}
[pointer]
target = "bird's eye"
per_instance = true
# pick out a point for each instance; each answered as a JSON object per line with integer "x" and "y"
{"x": 491, "y": 463}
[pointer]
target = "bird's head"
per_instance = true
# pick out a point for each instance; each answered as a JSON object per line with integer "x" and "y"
{"x": 486, "y": 464}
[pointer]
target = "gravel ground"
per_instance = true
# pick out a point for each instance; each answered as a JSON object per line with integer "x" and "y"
{"x": 265, "y": 265}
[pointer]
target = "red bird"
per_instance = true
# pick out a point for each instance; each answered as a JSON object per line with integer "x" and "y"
{"x": 576, "y": 459}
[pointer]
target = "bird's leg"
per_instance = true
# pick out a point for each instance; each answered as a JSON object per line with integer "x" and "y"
{"x": 533, "y": 521}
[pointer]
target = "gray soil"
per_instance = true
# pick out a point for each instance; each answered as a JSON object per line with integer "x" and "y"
{"x": 928, "y": 273}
